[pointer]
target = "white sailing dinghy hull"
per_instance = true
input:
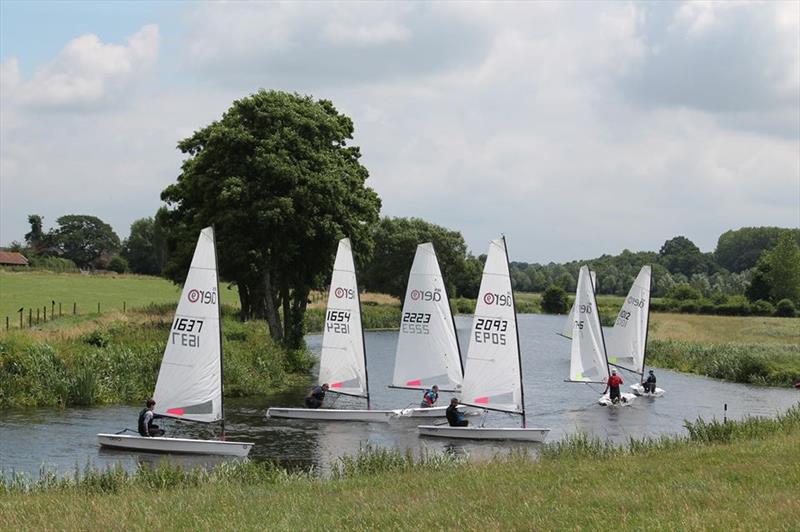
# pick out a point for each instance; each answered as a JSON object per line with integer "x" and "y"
{"x": 435, "y": 411}
{"x": 625, "y": 400}
{"x": 484, "y": 433}
{"x": 174, "y": 445}
{"x": 333, "y": 414}
{"x": 638, "y": 390}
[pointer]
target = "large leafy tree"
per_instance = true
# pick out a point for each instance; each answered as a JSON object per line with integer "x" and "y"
{"x": 396, "y": 242}
{"x": 86, "y": 240}
{"x": 279, "y": 182}
{"x": 740, "y": 249}
{"x": 784, "y": 269}
{"x": 681, "y": 255}
{"x": 144, "y": 249}
{"x": 36, "y": 239}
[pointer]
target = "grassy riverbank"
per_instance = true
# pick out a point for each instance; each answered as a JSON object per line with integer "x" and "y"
{"x": 114, "y": 358}
{"x": 726, "y": 476}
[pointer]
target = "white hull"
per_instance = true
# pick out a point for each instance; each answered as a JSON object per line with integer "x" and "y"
{"x": 638, "y": 389}
{"x": 625, "y": 400}
{"x": 174, "y": 445}
{"x": 484, "y": 433}
{"x": 332, "y": 414}
{"x": 436, "y": 411}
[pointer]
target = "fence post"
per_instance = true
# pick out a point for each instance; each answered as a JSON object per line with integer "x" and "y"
{"x": 45, "y": 313}
{"x": 37, "y": 316}
{"x": 59, "y": 309}
{"x": 6, "y": 322}
{"x": 123, "y": 307}
{"x": 20, "y": 318}
{"x": 74, "y": 308}
{"x": 30, "y": 318}
{"x": 98, "y": 307}
{"x": 52, "y": 309}
{"x": 725, "y": 414}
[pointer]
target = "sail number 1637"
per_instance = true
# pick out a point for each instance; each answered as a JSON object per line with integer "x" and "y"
{"x": 186, "y": 332}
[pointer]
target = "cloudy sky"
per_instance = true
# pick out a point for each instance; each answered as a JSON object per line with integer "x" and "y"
{"x": 576, "y": 129}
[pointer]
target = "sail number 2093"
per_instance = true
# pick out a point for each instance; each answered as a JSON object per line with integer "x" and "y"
{"x": 338, "y": 321}
{"x": 186, "y": 332}
{"x": 490, "y": 331}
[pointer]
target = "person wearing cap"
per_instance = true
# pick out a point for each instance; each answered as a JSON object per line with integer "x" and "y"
{"x": 146, "y": 426}
{"x": 650, "y": 384}
{"x": 454, "y": 417}
{"x": 316, "y": 396}
{"x": 430, "y": 397}
{"x": 612, "y": 387}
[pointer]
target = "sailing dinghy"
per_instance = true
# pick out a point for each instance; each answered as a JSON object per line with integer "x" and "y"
{"x": 568, "y": 325}
{"x": 627, "y": 342}
{"x": 189, "y": 385}
{"x": 427, "y": 346}
{"x": 588, "y": 362}
{"x": 343, "y": 363}
{"x": 493, "y": 378}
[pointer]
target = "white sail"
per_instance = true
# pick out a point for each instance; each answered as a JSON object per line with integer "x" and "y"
{"x": 588, "y": 355}
{"x": 427, "y": 347}
{"x": 492, "y": 377}
{"x": 567, "y": 332}
{"x": 342, "y": 364}
{"x": 626, "y": 343}
{"x": 189, "y": 383}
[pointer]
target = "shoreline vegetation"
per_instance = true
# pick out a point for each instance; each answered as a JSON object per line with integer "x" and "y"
{"x": 575, "y": 483}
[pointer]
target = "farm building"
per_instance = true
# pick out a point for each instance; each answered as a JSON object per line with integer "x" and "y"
{"x": 12, "y": 258}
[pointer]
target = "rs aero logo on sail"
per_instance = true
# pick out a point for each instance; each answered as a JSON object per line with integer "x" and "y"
{"x": 205, "y": 297}
{"x": 426, "y": 295}
{"x": 503, "y": 300}
{"x": 344, "y": 293}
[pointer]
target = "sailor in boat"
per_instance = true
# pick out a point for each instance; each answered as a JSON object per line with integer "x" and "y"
{"x": 146, "y": 417}
{"x": 650, "y": 384}
{"x": 430, "y": 397}
{"x": 316, "y": 396}
{"x": 614, "y": 382}
{"x": 454, "y": 417}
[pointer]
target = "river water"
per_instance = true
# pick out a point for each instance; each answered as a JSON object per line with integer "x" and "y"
{"x": 61, "y": 440}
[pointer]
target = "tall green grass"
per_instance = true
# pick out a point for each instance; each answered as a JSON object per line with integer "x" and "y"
{"x": 118, "y": 362}
{"x": 764, "y": 364}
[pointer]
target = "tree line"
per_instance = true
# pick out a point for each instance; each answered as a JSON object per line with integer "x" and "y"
{"x": 279, "y": 179}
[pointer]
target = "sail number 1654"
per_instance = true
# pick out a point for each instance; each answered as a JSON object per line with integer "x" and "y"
{"x": 338, "y": 321}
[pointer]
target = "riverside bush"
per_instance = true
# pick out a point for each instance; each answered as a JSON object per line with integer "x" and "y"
{"x": 785, "y": 308}
{"x": 762, "y": 308}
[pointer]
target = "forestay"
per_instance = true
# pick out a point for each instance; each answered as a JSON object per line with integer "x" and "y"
{"x": 189, "y": 383}
{"x": 342, "y": 363}
{"x": 492, "y": 378}
{"x": 427, "y": 348}
{"x": 567, "y": 332}
{"x": 588, "y": 356}
{"x": 627, "y": 341}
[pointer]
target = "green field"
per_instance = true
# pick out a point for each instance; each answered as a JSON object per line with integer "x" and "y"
{"x": 37, "y": 289}
{"x": 734, "y": 476}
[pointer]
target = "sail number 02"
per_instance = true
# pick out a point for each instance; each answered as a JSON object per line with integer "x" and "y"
{"x": 186, "y": 332}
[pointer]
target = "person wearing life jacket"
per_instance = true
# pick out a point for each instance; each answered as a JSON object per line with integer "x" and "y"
{"x": 650, "y": 384}
{"x": 612, "y": 387}
{"x": 316, "y": 396}
{"x": 146, "y": 426}
{"x": 430, "y": 397}
{"x": 454, "y": 417}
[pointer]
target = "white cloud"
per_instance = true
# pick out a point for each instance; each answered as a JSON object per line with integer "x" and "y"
{"x": 87, "y": 72}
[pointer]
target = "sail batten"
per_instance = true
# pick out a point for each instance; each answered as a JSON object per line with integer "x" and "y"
{"x": 342, "y": 362}
{"x": 189, "y": 381}
{"x": 427, "y": 346}
{"x": 628, "y": 338}
{"x": 492, "y": 377}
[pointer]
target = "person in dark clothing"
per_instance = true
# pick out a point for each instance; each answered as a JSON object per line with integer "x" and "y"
{"x": 650, "y": 384}
{"x": 316, "y": 396}
{"x": 614, "y": 382}
{"x": 430, "y": 397}
{"x": 454, "y": 417}
{"x": 146, "y": 426}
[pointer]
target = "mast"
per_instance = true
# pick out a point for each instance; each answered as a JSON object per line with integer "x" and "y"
{"x": 516, "y": 330}
{"x": 600, "y": 322}
{"x": 363, "y": 342}
{"x": 452, "y": 318}
{"x": 646, "y": 326}
{"x": 219, "y": 328}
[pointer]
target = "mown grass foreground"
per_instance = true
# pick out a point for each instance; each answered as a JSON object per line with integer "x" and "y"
{"x": 737, "y": 476}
